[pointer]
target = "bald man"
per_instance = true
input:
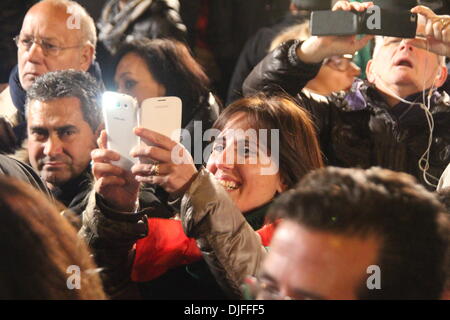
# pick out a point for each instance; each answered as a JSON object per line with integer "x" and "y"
{"x": 55, "y": 35}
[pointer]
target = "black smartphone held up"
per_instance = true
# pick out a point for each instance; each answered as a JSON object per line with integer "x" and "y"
{"x": 376, "y": 21}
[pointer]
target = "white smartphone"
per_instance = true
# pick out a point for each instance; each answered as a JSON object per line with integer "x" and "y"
{"x": 120, "y": 116}
{"x": 163, "y": 115}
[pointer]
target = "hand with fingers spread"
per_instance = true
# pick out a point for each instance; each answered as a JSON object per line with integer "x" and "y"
{"x": 117, "y": 186}
{"x": 436, "y": 29}
{"x": 172, "y": 166}
{"x": 316, "y": 49}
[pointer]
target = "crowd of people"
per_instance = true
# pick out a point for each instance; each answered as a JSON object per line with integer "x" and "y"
{"x": 314, "y": 183}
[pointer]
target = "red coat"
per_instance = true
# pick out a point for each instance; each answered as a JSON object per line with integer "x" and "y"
{"x": 166, "y": 246}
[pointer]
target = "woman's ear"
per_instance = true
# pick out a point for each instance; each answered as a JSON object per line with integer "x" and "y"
{"x": 99, "y": 130}
{"x": 281, "y": 187}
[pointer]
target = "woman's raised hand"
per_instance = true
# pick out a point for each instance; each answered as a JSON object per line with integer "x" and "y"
{"x": 165, "y": 162}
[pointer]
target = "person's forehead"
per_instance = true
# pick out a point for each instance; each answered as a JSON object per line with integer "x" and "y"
{"x": 289, "y": 232}
{"x": 49, "y": 23}
{"x": 60, "y": 111}
{"x": 131, "y": 58}
{"x": 388, "y": 44}
{"x": 384, "y": 41}
{"x": 381, "y": 41}
{"x": 322, "y": 257}
{"x": 239, "y": 120}
{"x": 132, "y": 64}
{"x": 387, "y": 39}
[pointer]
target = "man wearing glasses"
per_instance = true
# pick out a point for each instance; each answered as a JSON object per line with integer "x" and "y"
{"x": 395, "y": 120}
{"x": 55, "y": 35}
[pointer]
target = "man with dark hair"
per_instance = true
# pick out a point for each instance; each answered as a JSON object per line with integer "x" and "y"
{"x": 64, "y": 120}
{"x": 342, "y": 224}
{"x": 340, "y": 234}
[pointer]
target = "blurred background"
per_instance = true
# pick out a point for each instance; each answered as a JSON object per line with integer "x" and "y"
{"x": 222, "y": 34}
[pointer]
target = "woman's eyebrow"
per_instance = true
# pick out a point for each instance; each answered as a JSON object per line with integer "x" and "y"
{"x": 124, "y": 74}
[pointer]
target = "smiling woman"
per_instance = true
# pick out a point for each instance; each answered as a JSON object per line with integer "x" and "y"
{"x": 280, "y": 116}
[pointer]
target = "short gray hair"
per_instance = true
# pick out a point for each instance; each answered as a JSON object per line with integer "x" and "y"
{"x": 68, "y": 84}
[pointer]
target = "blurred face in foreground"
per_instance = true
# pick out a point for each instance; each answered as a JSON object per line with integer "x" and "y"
{"x": 309, "y": 264}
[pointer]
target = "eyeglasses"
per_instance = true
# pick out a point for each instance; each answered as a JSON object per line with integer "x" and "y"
{"x": 339, "y": 63}
{"x": 47, "y": 47}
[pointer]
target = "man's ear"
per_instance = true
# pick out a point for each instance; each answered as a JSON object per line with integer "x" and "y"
{"x": 99, "y": 130}
{"x": 87, "y": 57}
{"x": 369, "y": 71}
{"x": 97, "y": 133}
{"x": 441, "y": 76}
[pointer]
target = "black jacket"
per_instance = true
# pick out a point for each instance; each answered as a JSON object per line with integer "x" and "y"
{"x": 198, "y": 117}
{"x": 18, "y": 170}
{"x": 255, "y": 49}
{"x": 11, "y": 17}
{"x": 74, "y": 193}
{"x": 359, "y": 129}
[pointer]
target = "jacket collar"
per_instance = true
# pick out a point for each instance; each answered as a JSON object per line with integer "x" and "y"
{"x": 19, "y": 96}
{"x": 73, "y": 193}
{"x": 364, "y": 95}
{"x": 256, "y": 217}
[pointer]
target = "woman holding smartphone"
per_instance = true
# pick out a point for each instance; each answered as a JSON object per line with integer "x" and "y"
{"x": 244, "y": 173}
